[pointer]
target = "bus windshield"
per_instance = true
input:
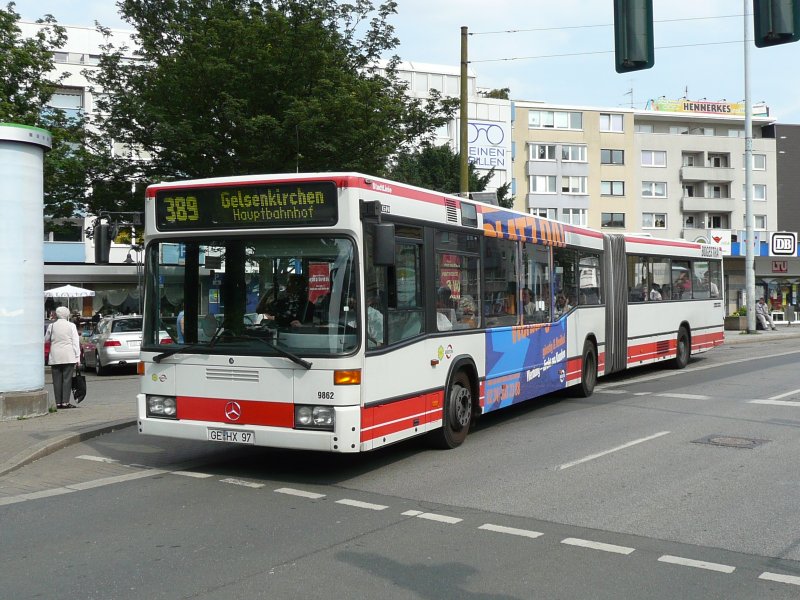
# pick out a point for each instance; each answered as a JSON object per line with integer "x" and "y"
{"x": 254, "y": 295}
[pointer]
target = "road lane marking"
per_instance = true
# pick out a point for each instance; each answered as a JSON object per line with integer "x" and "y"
{"x": 790, "y": 579}
{"x": 622, "y": 447}
{"x": 684, "y": 396}
{"x": 300, "y": 493}
{"x": 779, "y": 396}
{"x": 697, "y": 564}
{"x": 602, "y": 391}
{"x": 511, "y": 530}
{"x": 439, "y": 518}
{"x": 192, "y": 474}
{"x": 642, "y": 393}
{"x": 359, "y": 504}
{"x": 432, "y": 517}
{"x": 242, "y": 482}
{"x": 775, "y": 402}
{"x": 101, "y": 459}
{"x": 597, "y": 546}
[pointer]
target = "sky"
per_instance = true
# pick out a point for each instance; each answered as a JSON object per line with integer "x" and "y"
{"x": 562, "y": 51}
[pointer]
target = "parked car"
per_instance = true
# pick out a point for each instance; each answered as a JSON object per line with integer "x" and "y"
{"x": 115, "y": 342}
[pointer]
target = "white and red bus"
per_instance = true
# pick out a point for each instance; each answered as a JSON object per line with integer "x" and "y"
{"x": 341, "y": 312}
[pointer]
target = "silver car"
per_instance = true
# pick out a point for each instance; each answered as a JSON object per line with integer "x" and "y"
{"x": 115, "y": 342}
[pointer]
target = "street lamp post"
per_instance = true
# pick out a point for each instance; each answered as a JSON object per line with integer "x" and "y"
{"x": 136, "y": 249}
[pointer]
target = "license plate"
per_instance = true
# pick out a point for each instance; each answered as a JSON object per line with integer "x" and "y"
{"x": 231, "y": 436}
{"x": 134, "y": 344}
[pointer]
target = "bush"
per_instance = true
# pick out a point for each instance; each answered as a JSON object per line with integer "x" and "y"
{"x": 742, "y": 312}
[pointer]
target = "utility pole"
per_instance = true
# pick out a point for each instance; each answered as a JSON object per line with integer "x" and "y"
{"x": 462, "y": 143}
{"x": 749, "y": 219}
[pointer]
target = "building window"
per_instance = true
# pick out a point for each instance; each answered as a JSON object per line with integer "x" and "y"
{"x": 654, "y": 220}
{"x": 612, "y": 219}
{"x": 611, "y": 122}
{"x": 654, "y": 189}
{"x": 543, "y": 184}
{"x": 689, "y": 191}
{"x": 654, "y": 158}
{"x": 612, "y": 188}
{"x": 738, "y": 133}
{"x": 678, "y": 129}
{"x": 718, "y": 160}
{"x": 717, "y": 221}
{"x": 574, "y": 216}
{"x": 759, "y": 192}
{"x": 691, "y": 221}
{"x": 573, "y": 185}
{"x": 689, "y": 160}
{"x": 543, "y": 152}
{"x": 759, "y": 222}
{"x": 759, "y": 161}
{"x": 612, "y": 157}
{"x": 643, "y": 128}
{"x": 545, "y": 213}
{"x": 555, "y": 119}
{"x": 570, "y": 153}
{"x": 718, "y": 190}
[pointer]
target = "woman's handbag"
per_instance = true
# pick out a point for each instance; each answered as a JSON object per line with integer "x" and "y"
{"x": 79, "y": 386}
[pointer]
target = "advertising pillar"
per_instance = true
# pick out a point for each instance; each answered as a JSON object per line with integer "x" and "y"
{"x": 22, "y": 391}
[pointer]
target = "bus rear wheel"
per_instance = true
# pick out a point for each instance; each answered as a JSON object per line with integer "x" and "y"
{"x": 588, "y": 370}
{"x": 457, "y": 413}
{"x": 682, "y": 350}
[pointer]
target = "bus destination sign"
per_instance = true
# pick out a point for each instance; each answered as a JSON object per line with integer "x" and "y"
{"x": 247, "y": 206}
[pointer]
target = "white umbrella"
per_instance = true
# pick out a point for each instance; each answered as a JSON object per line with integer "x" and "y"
{"x": 68, "y": 291}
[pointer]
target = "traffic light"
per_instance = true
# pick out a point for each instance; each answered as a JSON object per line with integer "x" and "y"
{"x": 633, "y": 35}
{"x": 776, "y": 22}
{"x": 102, "y": 243}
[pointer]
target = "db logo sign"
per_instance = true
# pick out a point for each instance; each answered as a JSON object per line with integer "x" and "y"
{"x": 783, "y": 243}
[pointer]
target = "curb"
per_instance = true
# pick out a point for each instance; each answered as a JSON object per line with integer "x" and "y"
{"x": 60, "y": 441}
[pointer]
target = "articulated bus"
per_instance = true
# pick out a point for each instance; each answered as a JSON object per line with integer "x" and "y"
{"x": 341, "y": 312}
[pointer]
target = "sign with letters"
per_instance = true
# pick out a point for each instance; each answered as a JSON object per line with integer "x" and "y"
{"x": 783, "y": 243}
{"x": 247, "y": 205}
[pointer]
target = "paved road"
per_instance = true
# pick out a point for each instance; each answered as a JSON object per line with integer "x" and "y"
{"x": 614, "y": 496}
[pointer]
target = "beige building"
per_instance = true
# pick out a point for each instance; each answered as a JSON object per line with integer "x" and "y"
{"x": 676, "y": 173}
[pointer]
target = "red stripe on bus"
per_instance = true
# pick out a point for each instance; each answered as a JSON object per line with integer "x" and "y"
{"x": 394, "y": 417}
{"x": 253, "y": 412}
{"x": 574, "y": 369}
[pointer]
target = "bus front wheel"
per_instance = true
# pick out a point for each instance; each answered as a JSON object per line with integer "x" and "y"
{"x": 457, "y": 413}
{"x": 682, "y": 350}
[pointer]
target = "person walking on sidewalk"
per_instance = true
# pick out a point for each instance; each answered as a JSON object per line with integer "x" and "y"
{"x": 64, "y": 355}
{"x": 763, "y": 315}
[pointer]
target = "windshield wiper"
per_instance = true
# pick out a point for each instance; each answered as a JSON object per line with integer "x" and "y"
{"x": 216, "y": 337}
{"x": 285, "y": 353}
{"x": 159, "y": 357}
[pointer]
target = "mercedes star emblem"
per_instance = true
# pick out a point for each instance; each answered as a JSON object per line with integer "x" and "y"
{"x": 233, "y": 411}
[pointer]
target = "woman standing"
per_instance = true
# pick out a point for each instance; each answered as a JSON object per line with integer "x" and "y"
{"x": 64, "y": 355}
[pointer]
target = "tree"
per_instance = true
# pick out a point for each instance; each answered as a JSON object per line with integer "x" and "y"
{"x": 436, "y": 168}
{"x": 25, "y": 66}
{"x": 498, "y": 94}
{"x": 227, "y": 87}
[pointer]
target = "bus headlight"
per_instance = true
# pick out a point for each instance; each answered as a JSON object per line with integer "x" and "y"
{"x": 314, "y": 417}
{"x": 163, "y": 407}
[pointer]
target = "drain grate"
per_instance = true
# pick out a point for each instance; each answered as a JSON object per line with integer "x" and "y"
{"x": 730, "y": 441}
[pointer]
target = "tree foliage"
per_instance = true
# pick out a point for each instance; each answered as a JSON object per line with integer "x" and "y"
{"x": 436, "y": 168}
{"x": 230, "y": 87}
{"x": 499, "y": 94}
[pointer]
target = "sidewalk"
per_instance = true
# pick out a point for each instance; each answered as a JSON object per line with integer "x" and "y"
{"x": 111, "y": 405}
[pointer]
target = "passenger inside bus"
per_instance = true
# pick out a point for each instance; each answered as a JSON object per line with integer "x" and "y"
{"x": 292, "y": 307}
{"x": 445, "y": 314}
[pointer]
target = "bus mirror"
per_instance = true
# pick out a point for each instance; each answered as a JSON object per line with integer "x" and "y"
{"x": 383, "y": 251}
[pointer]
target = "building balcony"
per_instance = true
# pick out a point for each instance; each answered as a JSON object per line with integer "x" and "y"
{"x": 707, "y": 173}
{"x": 703, "y": 204}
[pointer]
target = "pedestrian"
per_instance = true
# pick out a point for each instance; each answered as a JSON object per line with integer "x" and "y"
{"x": 763, "y": 315}
{"x": 179, "y": 323}
{"x": 64, "y": 355}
